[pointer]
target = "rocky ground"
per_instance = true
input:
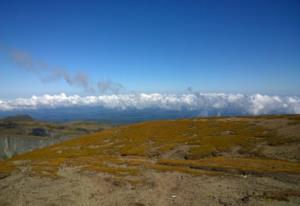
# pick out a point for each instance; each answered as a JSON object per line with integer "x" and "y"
{"x": 153, "y": 188}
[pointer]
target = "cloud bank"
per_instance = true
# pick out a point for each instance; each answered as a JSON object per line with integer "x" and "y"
{"x": 204, "y": 103}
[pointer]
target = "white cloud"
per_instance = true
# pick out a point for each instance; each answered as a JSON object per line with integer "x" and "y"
{"x": 202, "y": 102}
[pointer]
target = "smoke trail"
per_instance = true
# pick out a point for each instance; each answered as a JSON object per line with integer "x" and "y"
{"x": 48, "y": 73}
{"x": 109, "y": 87}
{"x": 78, "y": 79}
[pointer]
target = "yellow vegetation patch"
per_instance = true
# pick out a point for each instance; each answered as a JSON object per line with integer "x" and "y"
{"x": 239, "y": 164}
{"x": 202, "y": 151}
{"x": 127, "y": 150}
{"x": 181, "y": 169}
{"x": 6, "y": 167}
{"x": 47, "y": 167}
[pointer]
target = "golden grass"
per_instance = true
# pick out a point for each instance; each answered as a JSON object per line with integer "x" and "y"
{"x": 6, "y": 167}
{"x": 127, "y": 150}
{"x": 202, "y": 151}
{"x": 180, "y": 169}
{"x": 253, "y": 165}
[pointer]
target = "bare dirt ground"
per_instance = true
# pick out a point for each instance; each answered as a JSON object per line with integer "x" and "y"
{"x": 154, "y": 188}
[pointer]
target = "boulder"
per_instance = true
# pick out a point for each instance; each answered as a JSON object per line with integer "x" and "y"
{"x": 39, "y": 132}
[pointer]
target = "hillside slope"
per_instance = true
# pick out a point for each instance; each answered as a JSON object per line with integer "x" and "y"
{"x": 19, "y": 134}
{"x": 212, "y": 161}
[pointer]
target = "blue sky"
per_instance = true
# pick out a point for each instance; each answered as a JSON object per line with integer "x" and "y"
{"x": 154, "y": 46}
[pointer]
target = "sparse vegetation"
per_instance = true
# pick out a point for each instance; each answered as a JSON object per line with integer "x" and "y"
{"x": 127, "y": 150}
{"x": 238, "y": 165}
